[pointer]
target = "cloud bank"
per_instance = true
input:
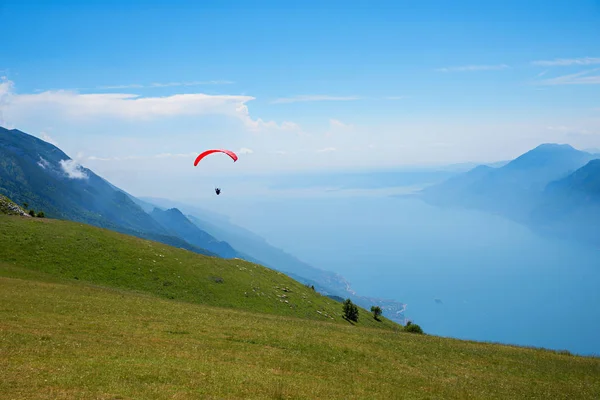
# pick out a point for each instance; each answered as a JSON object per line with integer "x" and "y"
{"x": 75, "y": 106}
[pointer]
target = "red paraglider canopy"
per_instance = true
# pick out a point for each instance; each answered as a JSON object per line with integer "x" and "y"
{"x": 207, "y": 152}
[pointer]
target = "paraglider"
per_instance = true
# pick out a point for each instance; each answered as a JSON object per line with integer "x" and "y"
{"x": 230, "y": 153}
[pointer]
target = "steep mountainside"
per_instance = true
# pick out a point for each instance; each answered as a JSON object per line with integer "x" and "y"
{"x": 174, "y": 221}
{"x": 570, "y": 207}
{"x": 40, "y": 174}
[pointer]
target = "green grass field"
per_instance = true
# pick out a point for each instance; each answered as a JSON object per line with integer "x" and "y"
{"x": 117, "y": 332}
{"x": 75, "y": 251}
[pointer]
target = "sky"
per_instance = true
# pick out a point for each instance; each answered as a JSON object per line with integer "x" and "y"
{"x": 134, "y": 90}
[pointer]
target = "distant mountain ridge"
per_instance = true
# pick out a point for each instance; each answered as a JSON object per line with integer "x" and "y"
{"x": 553, "y": 188}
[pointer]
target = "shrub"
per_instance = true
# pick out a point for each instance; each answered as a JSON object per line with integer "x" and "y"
{"x": 32, "y": 213}
{"x": 376, "y": 310}
{"x": 41, "y": 214}
{"x": 413, "y": 328}
{"x": 350, "y": 310}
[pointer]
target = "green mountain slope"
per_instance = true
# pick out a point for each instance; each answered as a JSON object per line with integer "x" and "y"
{"x": 73, "y": 340}
{"x": 37, "y": 172}
{"x": 74, "y": 251}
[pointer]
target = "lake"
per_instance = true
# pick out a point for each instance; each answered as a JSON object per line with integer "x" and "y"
{"x": 462, "y": 273}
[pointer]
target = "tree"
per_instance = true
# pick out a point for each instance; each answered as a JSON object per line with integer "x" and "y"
{"x": 26, "y": 205}
{"x": 413, "y": 328}
{"x": 41, "y": 214}
{"x": 32, "y": 213}
{"x": 350, "y": 310}
{"x": 376, "y": 310}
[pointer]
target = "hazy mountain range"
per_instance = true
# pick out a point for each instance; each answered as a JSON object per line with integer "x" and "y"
{"x": 553, "y": 188}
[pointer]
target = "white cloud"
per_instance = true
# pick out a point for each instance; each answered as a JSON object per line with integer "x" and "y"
{"x": 74, "y": 106}
{"x": 334, "y": 123}
{"x": 568, "y": 61}
{"x": 579, "y": 78}
{"x": 474, "y": 68}
{"x": 43, "y": 163}
{"x": 73, "y": 169}
{"x": 336, "y": 126}
{"x": 300, "y": 98}
{"x": 6, "y": 88}
{"x": 327, "y": 150}
{"x": 570, "y": 130}
{"x": 134, "y": 157}
{"x": 169, "y": 84}
{"x": 48, "y": 139}
{"x": 245, "y": 150}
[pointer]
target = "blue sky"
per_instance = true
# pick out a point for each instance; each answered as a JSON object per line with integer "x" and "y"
{"x": 402, "y": 82}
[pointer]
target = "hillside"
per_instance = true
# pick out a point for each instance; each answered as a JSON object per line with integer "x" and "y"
{"x": 74, "y": 340}
{"x": 8, "y": 207}
{"x": 40, "y": 174}
{"x": 253, "y": 248}
{"x": 74, "y": 251}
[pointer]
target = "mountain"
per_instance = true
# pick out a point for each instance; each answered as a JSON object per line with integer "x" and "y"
{"x": 38, "y": 173}
{"x": 570, "y": 207}
{"x": 514, "y": 189}
{"x": 174, "y": 221}
{"x": 553, "y": 189}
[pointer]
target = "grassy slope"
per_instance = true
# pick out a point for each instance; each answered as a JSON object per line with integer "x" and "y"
{"x": 75, "y": 251}
{"x": 73, "y": 340}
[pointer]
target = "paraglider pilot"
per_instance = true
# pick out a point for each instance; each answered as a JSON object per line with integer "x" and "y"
{"x": 217, "y": 191}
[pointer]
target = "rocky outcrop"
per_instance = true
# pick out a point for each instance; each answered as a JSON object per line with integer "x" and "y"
{"x": 10, "y": 208}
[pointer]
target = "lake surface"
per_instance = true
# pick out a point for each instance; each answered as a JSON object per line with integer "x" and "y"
{"x": 494, "y": 280}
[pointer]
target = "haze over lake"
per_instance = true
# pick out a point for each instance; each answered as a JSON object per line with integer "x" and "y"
{"x": 462, "y": 273}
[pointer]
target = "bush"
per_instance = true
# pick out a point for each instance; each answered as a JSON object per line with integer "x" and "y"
{"x": 376, "y": 310}
{"x": 350, "y": 310}
{"x": 32, "y": 213}
{"x": 413, "y": 328}
{"x": 41, "y": 214}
